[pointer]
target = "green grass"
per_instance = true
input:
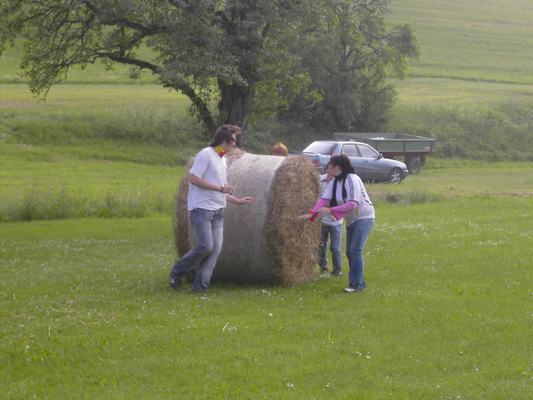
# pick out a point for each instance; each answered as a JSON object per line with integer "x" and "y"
{"x": 436, "y": 92}
{"x": 85, "y": 308}
{"x": 86, "y": 313}
{"x": 448, "y": 180}
{"x": 471, "y": 88}
{"x": 476, "y": 40}
{"x": 145, "y": 124}
{"x": 41, "y": 183}
{"x": 38, "y": 182}
{"x": 487, "y": 122}
{"x": 10, "y": 71}
{"x": 71, "y": 114}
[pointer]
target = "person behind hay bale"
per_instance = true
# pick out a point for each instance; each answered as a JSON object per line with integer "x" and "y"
{"x": 206, "y": 199}
{"x": 331, "y": 228}
{"x": 346, "y": 196}
{"x": 279, "y": 149}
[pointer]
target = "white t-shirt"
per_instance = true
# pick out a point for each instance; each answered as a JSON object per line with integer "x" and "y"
{"x": 210, "y": 166}
{"x": 327, "y": 219}
{"x": 355, "y": 191}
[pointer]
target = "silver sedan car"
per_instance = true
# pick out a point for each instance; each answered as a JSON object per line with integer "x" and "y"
{"x": 369, "y": 164}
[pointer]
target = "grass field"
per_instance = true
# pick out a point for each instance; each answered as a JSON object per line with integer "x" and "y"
{"x": 86, "y": 313}
{"x": 477, "y": 40}
{"x": 85, "y": 307}
{"x": 435, "y": 92}
{"x": 75, "y": 114}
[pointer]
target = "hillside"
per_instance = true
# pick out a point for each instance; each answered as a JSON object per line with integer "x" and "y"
{"x": 480, "y": 40}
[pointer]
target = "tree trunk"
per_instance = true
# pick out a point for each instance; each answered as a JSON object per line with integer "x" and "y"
{"x": 235, "y": 106}
{"x": 199, "y": 108}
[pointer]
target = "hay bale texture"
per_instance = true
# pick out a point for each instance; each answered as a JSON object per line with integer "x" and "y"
{"x": 263, "y": 242}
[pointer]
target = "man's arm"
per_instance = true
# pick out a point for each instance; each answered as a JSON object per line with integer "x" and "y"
{"x": 239, "y": 200}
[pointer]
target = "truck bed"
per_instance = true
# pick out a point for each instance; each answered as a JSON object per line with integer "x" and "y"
{"x": 391, "y": 143}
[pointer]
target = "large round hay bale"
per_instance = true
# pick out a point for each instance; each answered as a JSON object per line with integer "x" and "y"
{"x": 263, "y": 242}
{"x": 181, "y": 214}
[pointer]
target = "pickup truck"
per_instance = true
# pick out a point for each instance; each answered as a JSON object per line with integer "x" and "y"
{"x": 413, "y": 149}
{"x": 369, "y": 164}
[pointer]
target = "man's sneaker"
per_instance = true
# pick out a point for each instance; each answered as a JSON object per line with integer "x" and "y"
{"x": 175, "y": 282}
{"x": 337, "y": 273}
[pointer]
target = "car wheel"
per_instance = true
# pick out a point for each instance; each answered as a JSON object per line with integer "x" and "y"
{"x": 395, "y": 175}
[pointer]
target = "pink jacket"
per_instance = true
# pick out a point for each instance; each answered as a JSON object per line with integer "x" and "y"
{"x": 338, "y": 212}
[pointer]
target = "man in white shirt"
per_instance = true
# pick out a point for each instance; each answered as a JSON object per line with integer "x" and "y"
{"x": 206, "y": 200}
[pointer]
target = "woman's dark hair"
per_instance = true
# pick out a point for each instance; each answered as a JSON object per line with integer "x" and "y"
{"x": 225, "y": 133}
{"x": 346, "y": 168}
{"x": 344, "y": 163}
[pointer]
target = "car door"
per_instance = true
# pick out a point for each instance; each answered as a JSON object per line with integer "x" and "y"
{"x": 350, "y": 150}
{"x": 375, "y": 170}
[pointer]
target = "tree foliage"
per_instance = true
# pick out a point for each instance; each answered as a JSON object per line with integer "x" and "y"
{"x": 234, "y": 59}
{"x": 347, "y": 52}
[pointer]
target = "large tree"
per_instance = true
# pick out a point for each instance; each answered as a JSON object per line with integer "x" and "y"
{"x": 212, "y": 51}
{"x": 225, "y": 55}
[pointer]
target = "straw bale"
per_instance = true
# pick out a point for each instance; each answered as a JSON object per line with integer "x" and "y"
{"x": 263, "y": 242}
{"x": 181, "y": 214}
{"x": 292, "y": 244}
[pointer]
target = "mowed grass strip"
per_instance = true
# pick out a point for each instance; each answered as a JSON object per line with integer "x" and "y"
{"x": 86, "y": 312}
{"x": 442, "y": 93}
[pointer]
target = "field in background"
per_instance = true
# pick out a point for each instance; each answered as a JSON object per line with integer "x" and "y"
{"x": 435, "y": 92}
{"x": 472, "y": 86}
{"x": 96, "y": 73}
{"x": 471, "y": 89}
{"x": 121, "y": 122}
{"x": 477, "y": 40}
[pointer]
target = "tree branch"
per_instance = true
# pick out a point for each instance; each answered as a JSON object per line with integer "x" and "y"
{"x": 123, "y": 21}
{"x": 131, "y": 61}
{"x": 177, "y": 83}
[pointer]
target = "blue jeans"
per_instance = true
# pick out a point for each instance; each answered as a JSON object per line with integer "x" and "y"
{"x": 209, "y": 228}
{"x": 335, "y": 234}
{"x": 356, "y": 235}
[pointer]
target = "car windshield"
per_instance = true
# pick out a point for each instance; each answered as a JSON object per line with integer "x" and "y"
{"x": 320, "y": 148}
